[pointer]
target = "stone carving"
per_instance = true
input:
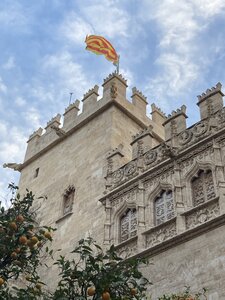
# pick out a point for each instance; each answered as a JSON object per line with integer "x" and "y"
{"x": 200, "y": 128}
{"x": 59, "y": 131}
{"x": 14, "y": 166}
{"x": 150, "y": 156}
{"x": 140, "y": 149}
{"x": 202, "y": 215}
{"x": 167, "y": 151}
{"x": 202, "y": 187}
{"x": 161, "y": 233}
{"x": 128, "y": 225}
{"x": 185, "y": 137}
{"x": 129, "y": 197}
{"x": 113, "y": 91}
{"x": 68, "y": 198}
{"x": 130, "y": 168}
{"x": 164, "y": 207}
{"x": 117, "y": 176}
{"x": 127, "y": 250}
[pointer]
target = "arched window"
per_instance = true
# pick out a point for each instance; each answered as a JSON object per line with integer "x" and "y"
{"x": 128, "y": 225}
{"x": 202, "y": 187}
{"x": 164, "y": 207}
{"x": 68, "y": 198}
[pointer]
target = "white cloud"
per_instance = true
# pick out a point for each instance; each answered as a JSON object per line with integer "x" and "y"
{"x": 3, "y": 87}
{"x": 14, "y": 15}
{"x": 20, "y": 101}
{"x": 95, "y": 18}
{"x": 70, "y": 75}
{"x": 9, "y": 64}
{"x": 108, "y": 19}
{"x": 32, "y": 117}
{"x": 180, "y": 60}
{"x": 75, "y": 29}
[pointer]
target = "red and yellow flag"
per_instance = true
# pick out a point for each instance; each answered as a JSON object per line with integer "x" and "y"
{"x": 99, "y": 45}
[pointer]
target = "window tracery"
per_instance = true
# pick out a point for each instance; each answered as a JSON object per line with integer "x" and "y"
{"x": 68, "y": 198}
{"x": 128, "y": 225}
{"x": 164, "y": 207}
{"x": 202, "y": 187}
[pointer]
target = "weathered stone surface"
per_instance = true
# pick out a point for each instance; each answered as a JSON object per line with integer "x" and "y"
{"x": 92, "y": 153}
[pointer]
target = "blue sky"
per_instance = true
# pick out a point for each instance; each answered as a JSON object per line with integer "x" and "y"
{"x": 171, "y": 50}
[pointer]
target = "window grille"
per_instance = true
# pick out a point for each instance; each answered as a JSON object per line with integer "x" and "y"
{"x": 164, "y": 207}
{"x": 202, "y": 187}
{"x": 68, "y": 200}
{"x": 128, "y": 225}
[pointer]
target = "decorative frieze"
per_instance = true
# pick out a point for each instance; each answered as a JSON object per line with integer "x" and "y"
{"x": 127, "y": 248}
{"x": 129, "y": 197}
{"x": 202, "y": 214}
{"x": 161, "y": 233}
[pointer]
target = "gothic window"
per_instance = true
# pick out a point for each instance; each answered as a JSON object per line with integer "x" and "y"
{"x": 202, "y": 187}
{"x": 164, "y": 208}
{"x": 128, "y": 225}
{"x": 68, "y": 198}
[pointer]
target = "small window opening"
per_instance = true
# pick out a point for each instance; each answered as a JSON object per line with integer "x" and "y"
{"x": 36, "y": 173}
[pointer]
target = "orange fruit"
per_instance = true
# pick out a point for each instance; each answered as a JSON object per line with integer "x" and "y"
{"x": 47, "y": 234}
{"x": 20, "y": 219}
{"x": 133, "y": 291}
{"x": 17, "y": 250}
{"x": 30, "y": 243}
{"x": 2, "y": 281}
{"x": 23, "y": 239}
{"x": 38, "y": 286}
{"x": 39, "y": 244}
{"x": 13, "y": 226}
{"x": 91, "y": 291}
{"x": 34, "y": 240}
{"x": 105, "y": 296}
{"x": 13, "y": 255}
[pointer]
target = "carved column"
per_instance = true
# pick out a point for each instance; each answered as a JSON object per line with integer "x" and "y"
{"x": 141, "y": 215}
{"x": 219, "y": 175}
{"x": 178, "y": 199}
{"x": 107, "y": 225}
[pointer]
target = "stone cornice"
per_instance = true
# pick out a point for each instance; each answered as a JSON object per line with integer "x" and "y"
{"x": 104, "y": 105}
{"x": 182, "y": 237}
{"x": 194, "y": 147}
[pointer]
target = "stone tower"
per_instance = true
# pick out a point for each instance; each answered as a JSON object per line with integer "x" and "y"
{"x": 151, "y": 186}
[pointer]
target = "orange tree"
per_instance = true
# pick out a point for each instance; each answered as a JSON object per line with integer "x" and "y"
{"x": 99, "y": 275}
{"x": 22, "y": 243}
{"x": 186, "y": 295}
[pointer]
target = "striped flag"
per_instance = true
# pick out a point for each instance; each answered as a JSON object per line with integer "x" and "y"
{"x": 99, "y": 45}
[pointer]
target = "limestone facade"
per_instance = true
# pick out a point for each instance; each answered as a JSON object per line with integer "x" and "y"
{"x": 151, "y": 186}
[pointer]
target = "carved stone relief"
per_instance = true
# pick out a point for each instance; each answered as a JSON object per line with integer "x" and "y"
{"x": 127, "y": 250}
{"x": 202, "y": 215}
{"x": 161, "y": 234}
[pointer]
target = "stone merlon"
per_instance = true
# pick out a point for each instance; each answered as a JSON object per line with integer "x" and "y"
{"x": 211, "y": 101}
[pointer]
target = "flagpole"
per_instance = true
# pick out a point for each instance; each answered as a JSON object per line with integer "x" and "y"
{"x": 118, "y": 65}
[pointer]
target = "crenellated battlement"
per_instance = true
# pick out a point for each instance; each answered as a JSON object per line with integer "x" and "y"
{"x": 115, "y": 75}
{"x": 114, "y": 94}
{"x": 75, "y": 104}
{"x": 177, "y": 112}
{"x": 92, "y": 91}
{"x": 36, "y": 133}
{"x": 135, "y": 92}
{"x": 157, "y": 109}
{"x": 210, "y": 92}
{"x": 153, "y": 131}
